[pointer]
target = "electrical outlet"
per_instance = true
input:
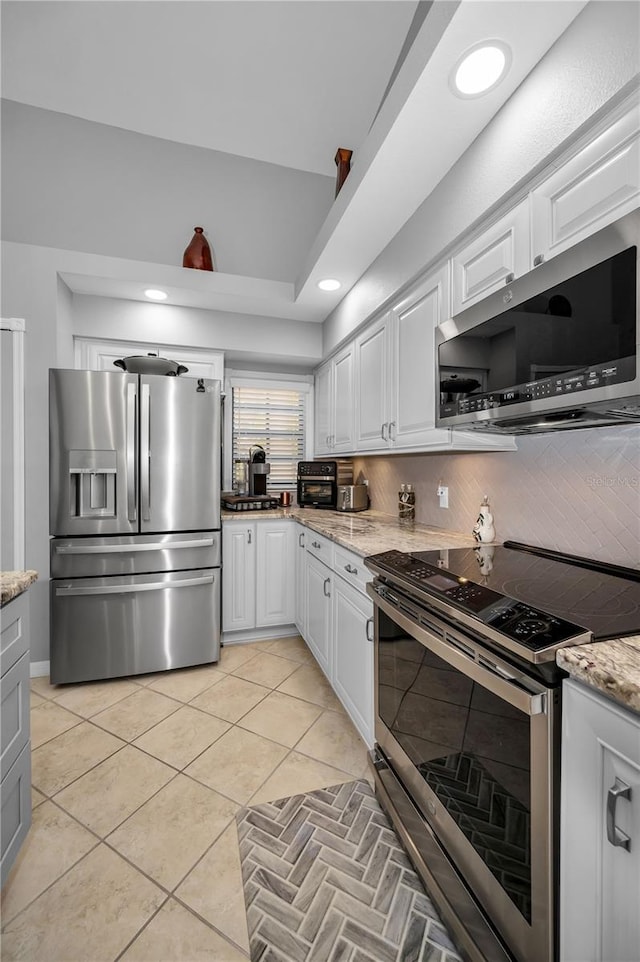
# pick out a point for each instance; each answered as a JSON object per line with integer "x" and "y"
{"x": 443, "y": 495}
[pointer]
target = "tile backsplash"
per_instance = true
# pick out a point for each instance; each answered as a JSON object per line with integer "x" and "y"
{"x": 575, "y": 491}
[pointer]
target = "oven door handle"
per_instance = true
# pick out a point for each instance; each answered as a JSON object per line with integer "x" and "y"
{"x": 490, "y": 676}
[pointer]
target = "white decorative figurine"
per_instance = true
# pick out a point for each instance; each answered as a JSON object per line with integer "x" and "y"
{"x": 483, "y": 529}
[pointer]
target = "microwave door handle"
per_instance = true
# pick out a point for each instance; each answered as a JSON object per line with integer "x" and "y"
{"x": 130, "y": 454}
{"x": 145, "y": 453}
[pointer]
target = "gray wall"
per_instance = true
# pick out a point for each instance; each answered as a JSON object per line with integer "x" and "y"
{"x": 82, "y": 186}
{"x": 595, "y": 60}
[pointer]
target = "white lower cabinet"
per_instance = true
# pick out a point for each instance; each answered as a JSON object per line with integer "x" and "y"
{"x": 300, "y": 575}
{"x": 318, "y": 584}
{"x": 258, "y": 588}
{"x": 352, "y": 673}
{"x": 600, "y": 829}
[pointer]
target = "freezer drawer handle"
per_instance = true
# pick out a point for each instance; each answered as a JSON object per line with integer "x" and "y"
{"x": 127, "y": 548}
{"x": 66, "y": 591}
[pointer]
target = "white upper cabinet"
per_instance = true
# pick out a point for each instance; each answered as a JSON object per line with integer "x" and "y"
{"x": 343, "y": 398}
{"x": 99, "y": 356}
{"x": 598, "y": 185}
{"x": 323, "y": 403}
{"x": 413, "y": 378}
{"x": 494, "y": 258}
{"x": 372, "y": 361}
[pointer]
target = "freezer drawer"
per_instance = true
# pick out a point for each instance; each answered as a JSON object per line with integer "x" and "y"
{"x": 133, "y": 554}
{"x": 110, "y": 627}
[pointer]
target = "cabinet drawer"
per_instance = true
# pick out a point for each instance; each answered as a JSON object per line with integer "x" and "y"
{"x": 14, "y": 633}
{"x": 352, "y": 568}
{"x": 15, "y": 814}
{"x": 319, "y": 546}
{"x": 14, "y": 689}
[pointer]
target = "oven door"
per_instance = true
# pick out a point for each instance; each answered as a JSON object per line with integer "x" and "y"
{"x": 317, "y": 493}
{"x": 471, "y": 739}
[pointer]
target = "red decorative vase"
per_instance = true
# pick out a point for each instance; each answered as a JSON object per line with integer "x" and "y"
{"x": 343, "y": 163}
{"x": 198, "y": 253}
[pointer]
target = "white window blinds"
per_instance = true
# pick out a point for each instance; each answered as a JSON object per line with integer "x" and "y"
{"x": 275, "y": 418}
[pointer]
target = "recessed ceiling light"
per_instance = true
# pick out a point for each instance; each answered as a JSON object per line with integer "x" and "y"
{"x": 329, "y": 284}
{"x": 481, "y": 68}
{"x": 156, "y": 295}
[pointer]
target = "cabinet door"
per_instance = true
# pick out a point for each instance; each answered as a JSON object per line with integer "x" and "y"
{"x": 323, "y": 389}
{"x": 496, "y": 257}
{"x": 600, "y": 184}
{"x": 274, "y": 573}
{"x": 352, "y": 675}
{"x": 300, "y": 580}
{"x": 599, "y": 880}
{"x": 238, "y": 576}
{"x": 319, "y": 581}
{"x": 414, "y": 392}
{"x": 99, "y": 356}
{"x": 343, "y": 398}
{"x": 372, "y": 373}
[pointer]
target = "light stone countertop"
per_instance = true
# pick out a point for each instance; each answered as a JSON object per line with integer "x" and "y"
{"x": 13, "y": 583}
{"x": 363, "y": 532}
{"x": 611, "y": 667}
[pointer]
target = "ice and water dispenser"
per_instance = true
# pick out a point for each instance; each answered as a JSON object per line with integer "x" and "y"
{"x": 92, "y": 484}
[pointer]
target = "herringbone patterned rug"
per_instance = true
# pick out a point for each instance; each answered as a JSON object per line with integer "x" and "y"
{"x": 326, "y": 880}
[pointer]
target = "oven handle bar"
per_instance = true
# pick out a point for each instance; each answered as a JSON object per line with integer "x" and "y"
{"x": 492, "y": 678}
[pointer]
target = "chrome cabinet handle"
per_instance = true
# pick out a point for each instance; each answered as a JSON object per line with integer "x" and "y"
{"x": 301, "y": 540}
{"x": 509, "y": 278}
{"x": 619, "y": 789}
{"x": 538, "y": 260}
{"x": 327, "y": 581}
{"x": 351, "y": 569}
{"x": 316, "y": 544}
{"x": 248, "y": 535}
{"x": 369, "y": 629}
{"x": 383, "y": 431}
{"x": 392, "y": 433}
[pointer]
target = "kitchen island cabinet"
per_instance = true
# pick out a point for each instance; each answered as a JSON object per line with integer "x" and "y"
{"x": 15, "y": 758}
{"x": 600, "y": 829}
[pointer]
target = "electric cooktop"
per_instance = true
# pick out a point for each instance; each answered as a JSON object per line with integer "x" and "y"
{"x": 538, "y": 598}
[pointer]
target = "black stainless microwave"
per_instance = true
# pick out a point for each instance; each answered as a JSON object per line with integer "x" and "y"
{"x": 556, "y": 349}
{"x": 317, "y": 484}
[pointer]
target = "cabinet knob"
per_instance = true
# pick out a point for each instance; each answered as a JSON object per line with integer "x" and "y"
{"x": 616, "y": 836}
{"x": 316, "y": 544}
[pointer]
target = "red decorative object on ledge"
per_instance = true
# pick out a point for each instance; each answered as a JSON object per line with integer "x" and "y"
{"x": 343, "y": 163}
{"x": 198, "y": 253}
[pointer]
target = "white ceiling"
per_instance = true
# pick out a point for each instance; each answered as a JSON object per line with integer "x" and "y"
{"x": 286, "y": 81}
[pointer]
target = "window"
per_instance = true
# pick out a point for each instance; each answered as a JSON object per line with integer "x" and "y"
{"x": 272, "y": 414}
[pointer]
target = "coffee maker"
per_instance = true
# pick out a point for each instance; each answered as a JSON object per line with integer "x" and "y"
{"x": 259, "y": 470}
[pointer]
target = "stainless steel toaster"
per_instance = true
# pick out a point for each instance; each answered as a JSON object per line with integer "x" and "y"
{"x": 352, "y": 497}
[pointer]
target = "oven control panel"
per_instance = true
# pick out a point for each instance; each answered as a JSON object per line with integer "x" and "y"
{"x": 530, "y": 627}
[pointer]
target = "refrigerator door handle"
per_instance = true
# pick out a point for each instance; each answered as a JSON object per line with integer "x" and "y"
{"x": 66, "y": 591}
{"x": 145, "y": 453}
{"x": 132, "y": 475}
{"x": 131, "y": 548}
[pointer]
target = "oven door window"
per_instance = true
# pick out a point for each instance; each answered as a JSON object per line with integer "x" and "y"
{"x": 471, "y": 748}
{"x": 317, "y": 492}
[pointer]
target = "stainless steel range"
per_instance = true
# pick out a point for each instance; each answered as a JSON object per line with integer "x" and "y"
{"x": 467, "y": 725}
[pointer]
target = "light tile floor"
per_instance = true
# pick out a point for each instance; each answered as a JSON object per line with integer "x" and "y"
{"x": 133, "y": 851}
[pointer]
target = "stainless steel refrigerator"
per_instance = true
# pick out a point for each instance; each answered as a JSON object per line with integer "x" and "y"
{"x": 135, "y": 522}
